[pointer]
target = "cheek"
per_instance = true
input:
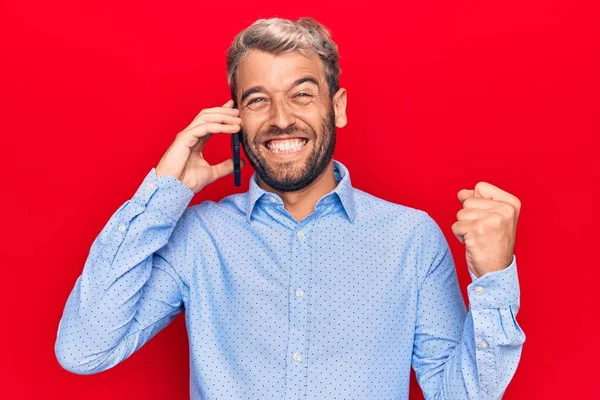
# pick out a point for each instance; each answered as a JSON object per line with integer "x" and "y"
{"x": 311, "y": 119}
{"x": 249, "y": 130}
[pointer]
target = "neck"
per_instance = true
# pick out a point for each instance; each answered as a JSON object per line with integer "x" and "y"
{"x": 302, "y": 203}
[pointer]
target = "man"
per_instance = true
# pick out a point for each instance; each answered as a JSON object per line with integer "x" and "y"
{"x": 304, "y": 287}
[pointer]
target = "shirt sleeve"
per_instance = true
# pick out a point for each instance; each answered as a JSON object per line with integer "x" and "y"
{"x": 459, "y": 354}
{"x": 129, "y": 289}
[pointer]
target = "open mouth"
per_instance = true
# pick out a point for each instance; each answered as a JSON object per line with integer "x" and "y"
{"x": 282, "y": 146}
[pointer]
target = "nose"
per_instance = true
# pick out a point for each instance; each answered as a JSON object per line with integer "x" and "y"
{"x": 281, "y": 116}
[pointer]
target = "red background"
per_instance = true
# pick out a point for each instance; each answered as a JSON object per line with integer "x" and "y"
{"x": 441, "y": 94}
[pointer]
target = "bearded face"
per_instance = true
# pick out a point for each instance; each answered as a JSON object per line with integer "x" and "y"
{"x": 292, "y": 158}
{"x": 289, "y": 117}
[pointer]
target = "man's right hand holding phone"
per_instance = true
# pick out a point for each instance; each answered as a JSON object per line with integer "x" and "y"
{"x": 183, "y": 159}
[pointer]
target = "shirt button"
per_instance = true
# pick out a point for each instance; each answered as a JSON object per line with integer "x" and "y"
{"x": 151, "y": 185}
{"x": 483, "y": 345}
{"x": 299, "y": 293}
{"x": 272, "y": 199}
{"x": 479, "y": 290}
{"x": 122, "y": 228}
{"x": 300, "y": 234}
{"x": 297, "y": 356}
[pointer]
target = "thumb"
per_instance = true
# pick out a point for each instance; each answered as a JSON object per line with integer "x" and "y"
{"x": 229, "y": 104}
{"x": 224, "y": 168}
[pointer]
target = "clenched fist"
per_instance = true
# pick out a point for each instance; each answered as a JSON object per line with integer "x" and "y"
{"x": 487, "y": 226}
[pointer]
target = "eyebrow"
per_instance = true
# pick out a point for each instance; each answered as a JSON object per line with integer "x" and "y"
{"x": 261, "y": 89}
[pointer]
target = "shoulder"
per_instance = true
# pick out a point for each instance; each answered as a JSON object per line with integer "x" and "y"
{"x": 229, "y": 208}
{"x": 404, "y": 223}
{"x": 203, "y": 226}
{"x": 373, "y": 208}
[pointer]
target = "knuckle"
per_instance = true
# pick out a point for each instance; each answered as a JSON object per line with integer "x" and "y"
{"x": 496, "y": 220}
{"x": 480, "y": 227}
{"x": 197, "y": 122}
{"x": 454, "y": 227}
{"x": 517, "y": 204}
{"x": 507, "y": 210}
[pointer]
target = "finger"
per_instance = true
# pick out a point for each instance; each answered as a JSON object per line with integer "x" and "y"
{"x": 459, "y": 237}
{"x": 192, "y": 135}
{"x": 470, "y": 214}
{"x": 484, "y": 204}
{"x": 461, "y": 229}
{"x": 219, "y": 110}
{"x": 229, "y": 104}
{"x": 213, "y": 127}
{"x": 224, "y": 168}
{"x": 200, "y": 143}
{"x": 488, "y": 191}
{"x": 464, "y": 194}
{"x": 217, "y": 117}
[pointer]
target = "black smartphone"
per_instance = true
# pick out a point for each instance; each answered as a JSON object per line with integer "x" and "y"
{"x": 235, "y": 147}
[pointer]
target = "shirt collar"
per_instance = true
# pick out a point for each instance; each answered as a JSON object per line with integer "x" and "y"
{"x": 343, "y": 190}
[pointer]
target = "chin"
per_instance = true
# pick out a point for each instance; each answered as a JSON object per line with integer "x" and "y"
{"x": 287, "y": 173}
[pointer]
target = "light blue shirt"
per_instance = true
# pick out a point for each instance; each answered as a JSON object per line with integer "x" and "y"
{"x": 337, "y": 306}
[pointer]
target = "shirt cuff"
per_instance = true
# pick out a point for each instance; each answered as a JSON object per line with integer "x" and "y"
{"x": 497, "y": 289}
{"x": 166, "y": 194}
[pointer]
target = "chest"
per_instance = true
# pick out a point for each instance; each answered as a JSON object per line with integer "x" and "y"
{"x": 341, "y": 278}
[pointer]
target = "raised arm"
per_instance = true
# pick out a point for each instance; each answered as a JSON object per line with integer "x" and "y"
{"x": 130, "y": 289}
{"x": 473, "y": 356}
{"x": 458, "y": 354}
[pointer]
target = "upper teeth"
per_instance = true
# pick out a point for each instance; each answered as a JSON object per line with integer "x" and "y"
{"x": 286, "y": 146}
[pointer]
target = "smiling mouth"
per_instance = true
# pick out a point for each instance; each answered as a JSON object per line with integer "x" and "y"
{"x": 292, "y": 145}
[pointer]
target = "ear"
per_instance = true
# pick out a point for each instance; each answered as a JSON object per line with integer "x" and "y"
{"x": 339, "y": 106}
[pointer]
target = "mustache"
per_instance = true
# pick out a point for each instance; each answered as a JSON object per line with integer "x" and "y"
{"x": 274, "y": 131}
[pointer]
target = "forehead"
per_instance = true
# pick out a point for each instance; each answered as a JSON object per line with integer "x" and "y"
{"x": 277, "y": 72}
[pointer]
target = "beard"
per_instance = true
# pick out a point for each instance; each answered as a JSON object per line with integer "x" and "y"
{"x": 288, "y": 176}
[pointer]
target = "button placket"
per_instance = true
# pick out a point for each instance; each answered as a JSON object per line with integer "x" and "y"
{"x": 298, "y": 306}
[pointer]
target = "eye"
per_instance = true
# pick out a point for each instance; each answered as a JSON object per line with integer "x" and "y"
{"x": 303, "y": 98}
{"x": 254, "y": 101}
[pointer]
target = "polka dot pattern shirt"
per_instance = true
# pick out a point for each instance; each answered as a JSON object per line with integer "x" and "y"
{"x": 337, "y": 306}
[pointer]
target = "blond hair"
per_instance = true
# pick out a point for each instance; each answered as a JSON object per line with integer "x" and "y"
{"x": 276, "y": 36}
